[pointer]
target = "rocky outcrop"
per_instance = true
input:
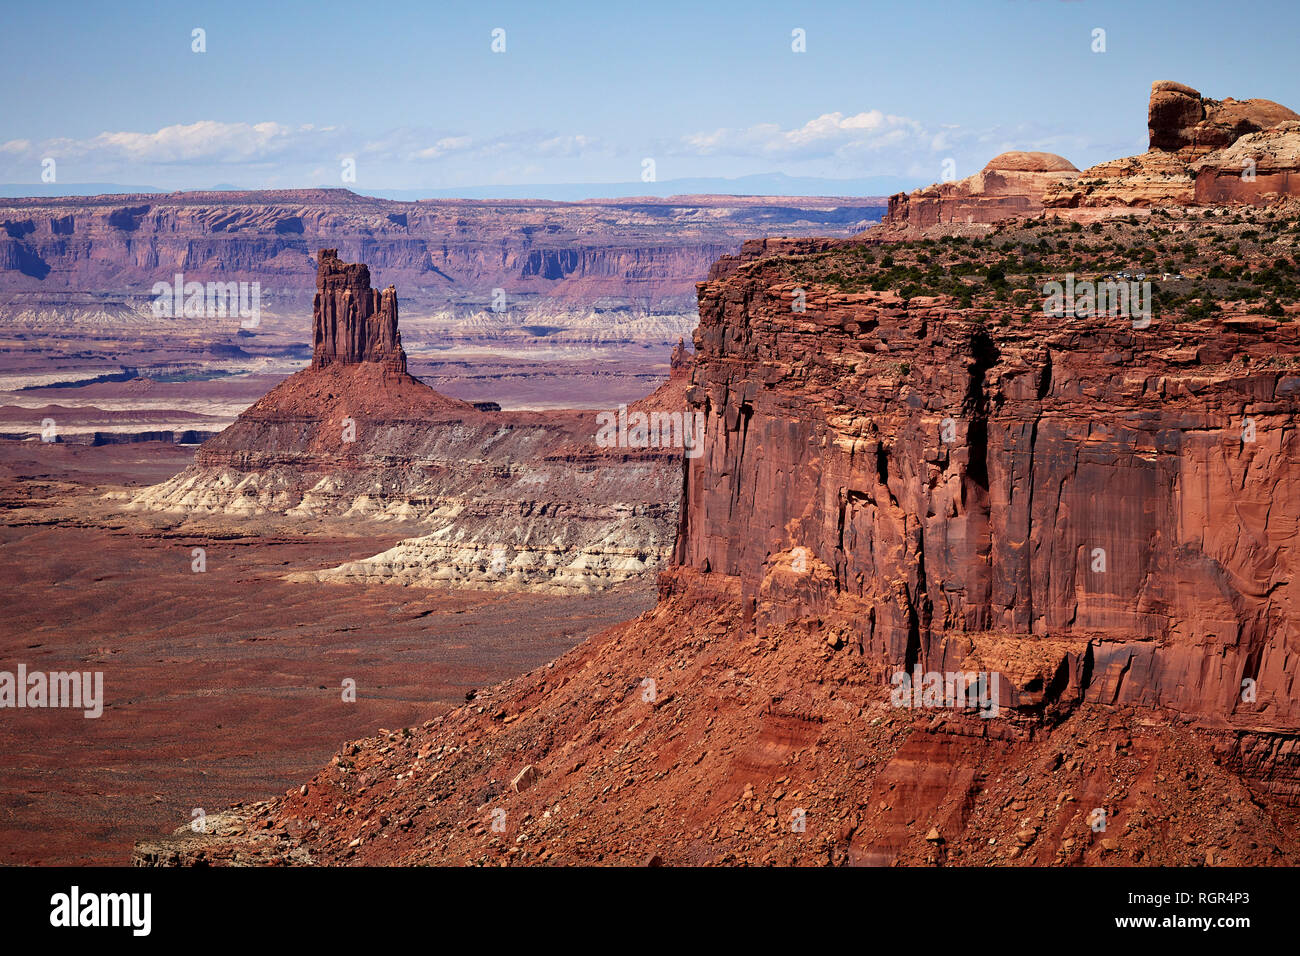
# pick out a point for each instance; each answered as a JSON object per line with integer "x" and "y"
{"x": 514, "y": 500}
{"x": 352, "y": 322}
{"x": 1191, "y": 156}
{"x": 1179, "y": 118}
{"x": 679, "y": 361}
{"x": 1260, "y": 168}
{"x": 1188, "y": 162}
{"x": 1012, "y": 184}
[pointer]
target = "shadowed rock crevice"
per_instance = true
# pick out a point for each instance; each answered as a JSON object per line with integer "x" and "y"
{"x": 985, "y": 355}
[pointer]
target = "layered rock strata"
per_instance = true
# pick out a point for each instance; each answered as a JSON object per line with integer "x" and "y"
{"x": 510, "y": 499}
{"x": 1100, "y": 515}
{"x": 565, "y": 255}
{"x": 1189, "y": 160}
{"x": 1011, "y": 184}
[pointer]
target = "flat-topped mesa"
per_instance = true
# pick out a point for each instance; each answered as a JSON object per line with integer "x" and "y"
{"x": 351, "y": 322}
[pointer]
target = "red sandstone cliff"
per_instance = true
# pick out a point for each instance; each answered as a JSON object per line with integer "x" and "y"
{"x": 1192, "y": 155}
{"x": 351, "y": 322}
{"x": 939, "y": 551}
{"x": 1011, "y": 184}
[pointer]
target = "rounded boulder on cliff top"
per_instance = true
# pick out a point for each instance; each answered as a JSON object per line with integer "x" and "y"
{"x": 1025, "y": 162}
{"x": 1160, "y": 86}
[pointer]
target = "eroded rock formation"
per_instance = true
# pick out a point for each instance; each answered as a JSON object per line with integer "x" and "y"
{"x": 1179, "y": 118}
{"x": 513, "y": 500}
{"x": 1012, "y": 184}
{"x": 352, "y": 322}
{"x": 1191, "y": 160}
{"x": 1191, "y": 156}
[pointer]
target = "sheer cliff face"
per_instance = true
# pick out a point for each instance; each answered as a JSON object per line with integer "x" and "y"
{"x": 1098, "y": 512}
{"x": 352, "y": 322}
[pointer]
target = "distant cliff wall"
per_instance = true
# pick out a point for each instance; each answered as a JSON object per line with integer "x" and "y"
{"x": 648, "y": 251}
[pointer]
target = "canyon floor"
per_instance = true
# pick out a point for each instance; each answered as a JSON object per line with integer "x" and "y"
{"x": 677, "y": 739}
{"x": 193, "y": 395}
{"x": 223, "y": 685}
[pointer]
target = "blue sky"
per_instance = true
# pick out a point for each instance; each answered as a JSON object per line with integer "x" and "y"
{"x": 586, "y": 92}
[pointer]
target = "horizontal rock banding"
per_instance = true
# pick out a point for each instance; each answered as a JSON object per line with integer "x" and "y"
{"x": 1011, "y": 184}
{"x": 514, "y": 500}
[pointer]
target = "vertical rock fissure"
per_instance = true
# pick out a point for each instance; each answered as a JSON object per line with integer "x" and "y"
{"x": 1028, "y": 597}
{"x": 745, "y": 412}
{"x": 920, "y": 616}
{"x": 680, "y": 546}
{"x": 985, "y": 355}
{"x": 976, "y": 486}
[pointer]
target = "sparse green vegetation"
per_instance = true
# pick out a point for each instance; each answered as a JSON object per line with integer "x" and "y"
{"x": 1224, "y": 258}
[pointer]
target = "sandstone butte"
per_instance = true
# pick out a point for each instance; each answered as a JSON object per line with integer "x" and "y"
{"x": 1198, "y": 151}
{"x": 1105, "y": 516}
{"x": 1011, "y": 184}
{"x": 506, "y": 499}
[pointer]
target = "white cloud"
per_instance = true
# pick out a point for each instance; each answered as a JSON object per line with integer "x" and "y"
{"x": 444, "y": 146}
{"x": 265, "y": 152}
{"x": 834, "y": 144}
{"x": 831, "y": 135}
{"x": 205, "y": 142}
{"x": 874, "y": 142}
{"x": 408, "y": 144}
